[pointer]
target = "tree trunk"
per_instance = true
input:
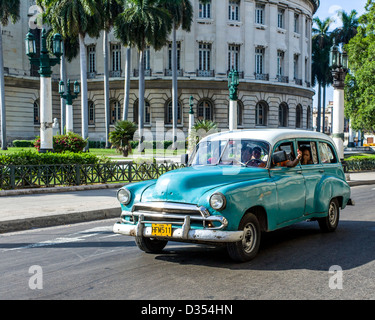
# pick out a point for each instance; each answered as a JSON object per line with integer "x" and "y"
{"x": 2, "y": 96}
{"x": 324, "y": 109}
{"x": 106, "y": 88}
{"x": 63, "y": 101}
{"x": 141, "y": 101}
{"x": 174, "y": 89}
{"x": 127, "y": 83}
{"x": 84, "y": 102}
{"x": 319, "y": 108}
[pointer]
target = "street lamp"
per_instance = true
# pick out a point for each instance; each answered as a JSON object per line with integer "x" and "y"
{"x": 191, "y": 139}
{"x": 45, "y": 64}
{"x": 233, "y": 82}
{"x": 338, "y": 62}
{"x": 69, "y": 97}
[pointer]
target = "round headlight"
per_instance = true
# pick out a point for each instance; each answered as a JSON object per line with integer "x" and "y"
{"x": 218, "y": 201}
{"x": 124, "y": 196}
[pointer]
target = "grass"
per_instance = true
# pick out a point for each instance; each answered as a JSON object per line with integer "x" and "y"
{"x": 360, "y": 156}
{"x": 110, "y": 152}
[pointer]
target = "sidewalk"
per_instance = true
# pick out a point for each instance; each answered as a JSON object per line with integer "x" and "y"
{"x": 38, "y": 208}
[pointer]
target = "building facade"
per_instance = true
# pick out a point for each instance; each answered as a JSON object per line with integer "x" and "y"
{"x": 268, "y": 42}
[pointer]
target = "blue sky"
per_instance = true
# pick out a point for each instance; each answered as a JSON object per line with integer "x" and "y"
{"x": 329, "y": 8}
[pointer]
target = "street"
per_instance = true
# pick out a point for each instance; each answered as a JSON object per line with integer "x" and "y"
{"x": 87, "y": 261}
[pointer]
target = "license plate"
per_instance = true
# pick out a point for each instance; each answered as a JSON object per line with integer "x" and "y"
{"x": 161, "y": 230}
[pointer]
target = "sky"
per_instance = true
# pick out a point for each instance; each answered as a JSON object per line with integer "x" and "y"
{"x": 329, "y": 8}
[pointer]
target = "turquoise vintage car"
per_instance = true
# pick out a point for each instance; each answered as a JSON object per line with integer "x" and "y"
{"x": 235, "y": 186}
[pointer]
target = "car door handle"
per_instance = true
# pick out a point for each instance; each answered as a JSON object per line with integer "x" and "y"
{"x": 299, "y": 171}
{"x": 321, "y": 170}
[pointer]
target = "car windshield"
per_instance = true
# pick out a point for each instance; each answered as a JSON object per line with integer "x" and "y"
{"x": 243, "y": 152}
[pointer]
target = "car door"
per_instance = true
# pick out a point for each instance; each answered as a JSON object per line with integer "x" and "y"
{"x": 312, "y": 173}
{"x": 290, "y": 186}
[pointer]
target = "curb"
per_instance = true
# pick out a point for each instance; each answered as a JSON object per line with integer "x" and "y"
{"x": 58, "y": 220}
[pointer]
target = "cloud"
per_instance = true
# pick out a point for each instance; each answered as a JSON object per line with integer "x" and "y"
{"x": 333, "y": 11}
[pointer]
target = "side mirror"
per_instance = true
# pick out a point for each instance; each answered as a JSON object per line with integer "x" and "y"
{"x": 184, "y": 159}
{"x": 279, "y": 156}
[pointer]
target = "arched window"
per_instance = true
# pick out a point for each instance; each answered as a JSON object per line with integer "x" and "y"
{"x": 147, "y": 112}
{"x": 91, "y": 112}
{"x": 205, "y": 110}
{"x": 115, "y": 111}
{"x": 169, "y": 113}
{"x": 283, "y": 115}
{"x": 299, "y": 116}
{"x": 308, "y": 117}
{"x": 261, "y": 111}
{"x": 36, "y": 112}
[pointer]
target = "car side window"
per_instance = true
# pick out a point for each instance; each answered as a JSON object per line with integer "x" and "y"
{"x": 288, "y": 147}
{"x": 326, "y": 153}
{"x": 309, "y": 152}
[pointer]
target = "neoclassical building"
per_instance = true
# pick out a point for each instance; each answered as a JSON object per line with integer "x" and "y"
{"x": 268, "y": 42}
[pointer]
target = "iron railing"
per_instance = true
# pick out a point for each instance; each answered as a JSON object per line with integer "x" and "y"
{"x": 35, "y": 176}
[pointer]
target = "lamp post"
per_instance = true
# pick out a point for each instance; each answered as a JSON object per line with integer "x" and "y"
{"x": 45, "y": 64}
{"x": 69, "y": 97}
{"x": 338, "y": 62}
{"x": 233, "y": 81}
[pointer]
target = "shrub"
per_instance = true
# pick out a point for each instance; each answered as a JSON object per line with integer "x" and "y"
{"x": 121, "y": 136}
{"x": 23, "y": 143}
{"x": 66, "y": 142}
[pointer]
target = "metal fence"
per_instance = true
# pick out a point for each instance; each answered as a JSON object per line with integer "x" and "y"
{"x": 359, "y": 165}
{"x": 34, "y": 176}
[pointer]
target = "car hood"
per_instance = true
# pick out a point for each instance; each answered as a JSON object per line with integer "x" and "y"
{"x": 189, "y": 184}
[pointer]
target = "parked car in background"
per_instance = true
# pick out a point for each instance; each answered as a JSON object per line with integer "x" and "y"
{"x": 235, "y": 186}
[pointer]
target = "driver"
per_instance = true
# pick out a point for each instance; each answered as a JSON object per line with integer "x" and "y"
{"x": 255, "y": 158}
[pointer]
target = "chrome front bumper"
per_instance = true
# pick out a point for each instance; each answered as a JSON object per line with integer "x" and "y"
{"x": 177, "y": 215}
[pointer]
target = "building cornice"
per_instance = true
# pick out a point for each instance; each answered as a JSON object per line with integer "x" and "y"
{"x": 316, "y": 4}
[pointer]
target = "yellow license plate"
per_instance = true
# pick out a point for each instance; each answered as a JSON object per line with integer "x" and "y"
{"x": 161, "y": 230}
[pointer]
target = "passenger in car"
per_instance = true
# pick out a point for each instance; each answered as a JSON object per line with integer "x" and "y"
{"x": 290, "y": 162}
{"x": 306, "y": 156}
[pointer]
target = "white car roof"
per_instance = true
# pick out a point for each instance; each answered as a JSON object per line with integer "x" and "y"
{"x": 270, "y": 135}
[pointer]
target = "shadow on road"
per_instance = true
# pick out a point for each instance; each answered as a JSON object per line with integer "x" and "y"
{"x": 301, "y": 246}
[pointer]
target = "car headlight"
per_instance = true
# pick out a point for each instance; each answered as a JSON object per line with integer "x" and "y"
{"x": 124, "y": 196}
{"x": 218, "y": 201}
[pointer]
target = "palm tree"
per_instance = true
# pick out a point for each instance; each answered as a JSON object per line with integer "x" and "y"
{"x": 77, "y": 18}
{"x": 143, "y": 23}
{"x": 9, "y": 9}
{"x": 349, "y": 27}
{"x": 110, "y": 10}
{"x": 321, "y": 43}
{"x": 181, "y": 12}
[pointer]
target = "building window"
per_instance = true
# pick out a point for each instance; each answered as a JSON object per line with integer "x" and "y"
{"x": 205, "y": 10}
{"x": 283, "y": 115}
{"x": 147, "y": 113}
{"x": 299, "y": 116}
{"x": 259, "y": 60}
{"x": 296, "y": 23}
{"x": 36, "y": 113}
{"x": 308, "y": 117}
{"x": 261, "y": 114}
{"x": 280, "y": 18}
{"x": 91, "y": 113}
{"x": 233, "y": 57}
{"x": 169, "y": 113}
{"x": 234, "y": 10}
{"x": 116, "y": 57}
{"x": 205, "y": 110}
{"x": 259, "y": 14}
{"x": 115, "y": 111}
{"x": 91, "y": 54}
{"x": 239, "y": 113}
{"x": 296, "y": 71}
{"x": 280, "y": 63}
{"x": 205, "y": 56}
{"x": 147, "y": 58}
{"x": 170, "y": 56}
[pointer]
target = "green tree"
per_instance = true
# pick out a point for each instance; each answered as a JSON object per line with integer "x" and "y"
{"x": 321, "y": 44}
{"x": 360, "y": 81}
{"x": 9, "y": 10}
{"x": 110, "y": 10}
{"x": 143, "y": 23}
{"x": 121, "y": 136}
{"x": 181, "y": 12}
{"x": 348, "y": 29}
{"x": 76, "y": 19}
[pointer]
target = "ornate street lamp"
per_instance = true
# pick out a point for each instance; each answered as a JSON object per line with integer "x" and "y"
{"x": 338, "y": 62}
{"x": 233, "y": 82}
{"x": 69, "y": 97}
{"x": 45, "y": 64}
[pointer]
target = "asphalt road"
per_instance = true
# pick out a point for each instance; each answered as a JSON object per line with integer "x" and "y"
{"x": 87, "y": 261}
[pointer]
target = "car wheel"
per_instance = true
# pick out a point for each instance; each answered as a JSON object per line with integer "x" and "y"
{"x": 248, "y": 247}
{"x": 331, "y": 221}
{"x": 150, "y": 245}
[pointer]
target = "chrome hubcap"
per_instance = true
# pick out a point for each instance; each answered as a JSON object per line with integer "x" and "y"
{"x": 250, "y": 238}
